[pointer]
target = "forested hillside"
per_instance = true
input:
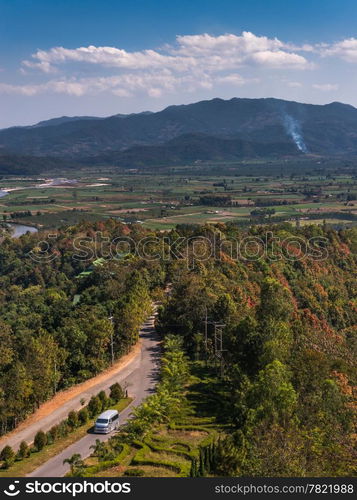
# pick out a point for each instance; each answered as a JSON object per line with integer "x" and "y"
{"x": 289, "y": 350}
{"x": 13, "y": 164}
{"x": 54, "y": 324}
{"x": 286, "y": 389}
{"x": 189, "y": 148}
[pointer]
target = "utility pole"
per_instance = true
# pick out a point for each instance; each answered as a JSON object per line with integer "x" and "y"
{"x": 206, "y": 339}
{"x": 55, "y": 377}
{"x": 205, "y": 321}
{"x": 111, "y": 319}
{"x": 217, "y": 341}
{"x": 218, "y": 344}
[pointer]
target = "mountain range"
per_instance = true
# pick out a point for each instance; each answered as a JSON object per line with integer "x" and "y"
{"x": 207, "y": 130}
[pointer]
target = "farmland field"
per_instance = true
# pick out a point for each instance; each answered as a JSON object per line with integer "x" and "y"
{"x": 163, "y": 199}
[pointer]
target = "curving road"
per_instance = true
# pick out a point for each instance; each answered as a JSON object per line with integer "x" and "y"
{"x": 140, "y": 378}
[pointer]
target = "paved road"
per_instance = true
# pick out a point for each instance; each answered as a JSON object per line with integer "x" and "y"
{"x": 140, "y": 378}
{"x": 27, "y": 432}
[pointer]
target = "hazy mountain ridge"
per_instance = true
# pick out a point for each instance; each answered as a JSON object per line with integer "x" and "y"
{"x": 62, "y": 119}
{"x": 11, "y": 164}
{"x": 190, "y": 148}
{"x": 322, "y": 129}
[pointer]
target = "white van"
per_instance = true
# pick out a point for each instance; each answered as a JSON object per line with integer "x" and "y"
{"x": 107, "y": 422}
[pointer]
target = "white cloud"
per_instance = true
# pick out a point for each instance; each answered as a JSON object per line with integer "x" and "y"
{"x": 294, "y": 85}
{"x": 44, "y": 66}
{"x": 155, "y": 92}
{"x": 190, "y": 52}
{"x": 280, "y": 59}
{"x": 346, "y": 50}
{"x": 306, "y": 47}
{"x": 58, "y": 87}
{"x": 325, "y": 87}
{"x": 194, "y": 62}
{"x": 235, "y": 79}
{"x": 105, "y": 56}
{"x": 121, "y": 92}
{"x": 229, "y": 51}
{"x": 246, "y": 43}
{"x": 153, "y": 84}
{"x": 28, "y": 90}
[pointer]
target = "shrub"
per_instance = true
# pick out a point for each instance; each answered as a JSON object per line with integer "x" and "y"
{"x": 104, "y": 399}
{"x": 7, "y": 455}
{"x": 6, "y": 452}
{"x": 63, "y": 429}
{"x": 49, "y": 438}
{"x": 116, "y": 392}
{"x": 116, "y": 445}
{"x": 102, "y": 396}
{"x": 83, "y": 416}
{"x": 94, "y": 469}
{"x": 183, "y": 453}
{"x": 134, "y": 472}
{"x": 194, "y": 471}
{"x": 24, "y": 450}
{"x": 40, "y": 440}
{"x": 95, "y": 406}
{"x": 54, "y": 432}
{"x": 73, "y": 420}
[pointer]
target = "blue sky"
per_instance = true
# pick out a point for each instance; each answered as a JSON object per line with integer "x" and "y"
{"x": 74, "y": 57}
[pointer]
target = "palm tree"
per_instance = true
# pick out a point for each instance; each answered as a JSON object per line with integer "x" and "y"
{"x": 76, "y": 463}
{"x": 99, "y": 448}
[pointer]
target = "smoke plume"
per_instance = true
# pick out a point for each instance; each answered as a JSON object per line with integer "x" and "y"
{"x": 293, "y": 128}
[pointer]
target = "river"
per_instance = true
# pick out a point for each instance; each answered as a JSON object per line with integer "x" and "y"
{"x": 20, "y": 229}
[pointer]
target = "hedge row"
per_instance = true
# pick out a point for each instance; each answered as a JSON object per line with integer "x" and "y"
{"x": 139, "y": 459}
{"x": 74, "y": 420}
{"x": 94, "y": 469}
{"x": 185, "y": 454}
{"x": 160, "y": 440}
{"x": 182, "y": 427}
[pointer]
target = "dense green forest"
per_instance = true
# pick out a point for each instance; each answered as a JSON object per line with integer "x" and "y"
{"x": 289, "y": 349}
{"x": 12, "y": 164}
{"x": 54, "y": 324}
{"x": 289, "y": 337}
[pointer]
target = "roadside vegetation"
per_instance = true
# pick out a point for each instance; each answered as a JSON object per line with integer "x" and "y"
{"x": 59, "y": 327}
{"x": 288, "y": 363}
{"x": 275, "y": 398}
{"x": 48, "y": 444}
{"x": 170, "y": 432}
{"x": 282, "y": 399}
